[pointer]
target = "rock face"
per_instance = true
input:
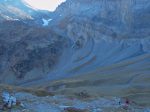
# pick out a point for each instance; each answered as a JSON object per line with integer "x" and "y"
{"x": 127, "y": 18}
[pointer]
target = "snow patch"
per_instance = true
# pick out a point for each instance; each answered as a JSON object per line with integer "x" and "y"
{"x": 46, "y": 22}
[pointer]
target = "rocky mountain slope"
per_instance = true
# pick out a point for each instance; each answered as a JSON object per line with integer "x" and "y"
{"x": 102, "y": 32}
{"x": 26, "y": 46}
{"x": 98, "y": 46}
{"x": 128, "y": 18}
{"x": 109, "y": 52}
{"x": 26, "y": 50}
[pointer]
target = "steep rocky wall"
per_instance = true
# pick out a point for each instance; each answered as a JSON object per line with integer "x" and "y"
{"x": 128, "y": 17}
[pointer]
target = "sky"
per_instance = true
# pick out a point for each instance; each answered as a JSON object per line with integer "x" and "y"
{"x": 50, "y": 5}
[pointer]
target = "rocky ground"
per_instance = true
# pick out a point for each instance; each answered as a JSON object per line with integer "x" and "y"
{"x": 42, "y": 101}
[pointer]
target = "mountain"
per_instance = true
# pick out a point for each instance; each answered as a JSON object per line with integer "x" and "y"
{"x": 109, "y": 52}
{"x": 102, "y": 33}
{"x": 26, "y": 46}
{"x": 85, "y": 48}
